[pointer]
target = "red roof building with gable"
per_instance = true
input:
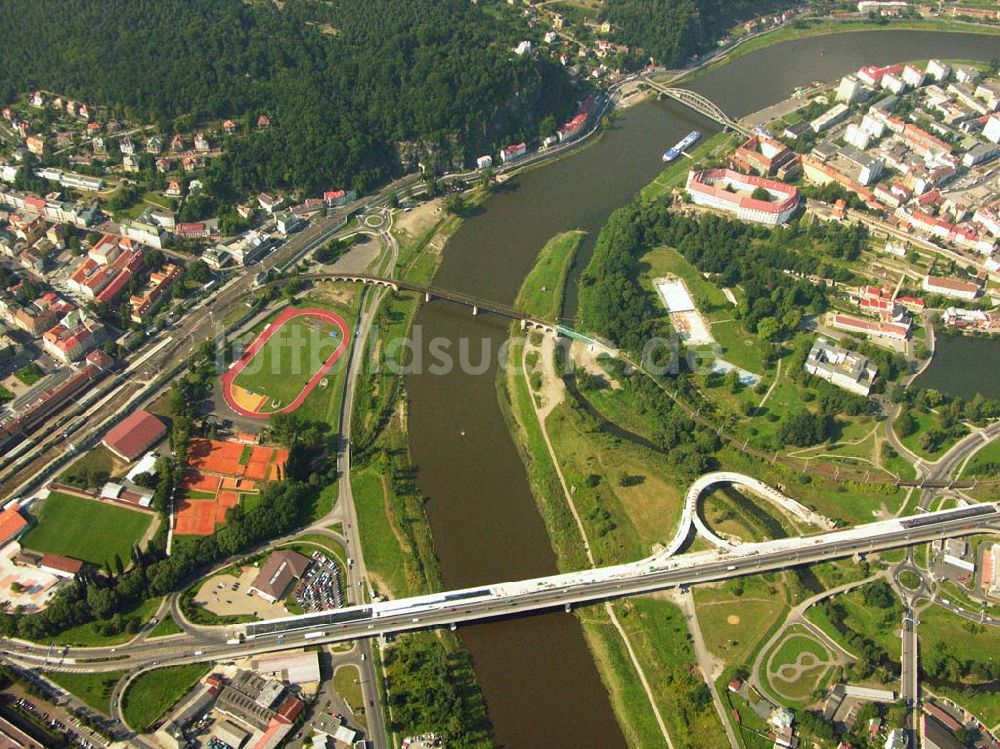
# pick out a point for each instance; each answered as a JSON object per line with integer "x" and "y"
{"x": 134, "y": 435}
{"x": 290, "y": 709}
{"x": 60, "y": 565}
{"x": 12, "y": 522}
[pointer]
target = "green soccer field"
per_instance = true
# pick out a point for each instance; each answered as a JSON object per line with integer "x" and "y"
{"x": 85, "y": 529}
{"x": 289, "y": 359}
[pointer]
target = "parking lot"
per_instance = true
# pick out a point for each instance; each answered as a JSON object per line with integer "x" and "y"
{"x": 218, "y": 595}
{"x": 56, "y": 717}
{"x": 322, "y": 586}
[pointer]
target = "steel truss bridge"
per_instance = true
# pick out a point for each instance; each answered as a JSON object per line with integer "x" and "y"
{"x": 699, "y": 104}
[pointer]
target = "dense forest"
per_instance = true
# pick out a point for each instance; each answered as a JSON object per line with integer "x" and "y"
{"x": 352, "y": 88}
{"x": 432, "y": 688}
{"x": 671, "y": 31}
{"x": 770, "y": 265}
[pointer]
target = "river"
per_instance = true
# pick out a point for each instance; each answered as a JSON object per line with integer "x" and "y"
{"x": 539, "y": 679}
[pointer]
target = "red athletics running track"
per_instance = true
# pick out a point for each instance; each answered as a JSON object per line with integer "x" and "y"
{"x": 229, "y": 377}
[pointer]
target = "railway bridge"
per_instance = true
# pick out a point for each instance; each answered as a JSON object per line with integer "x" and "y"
{"x": 700, "y": 104}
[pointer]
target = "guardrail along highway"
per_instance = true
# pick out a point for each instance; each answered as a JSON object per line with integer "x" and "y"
{"x": 654, "y": 573}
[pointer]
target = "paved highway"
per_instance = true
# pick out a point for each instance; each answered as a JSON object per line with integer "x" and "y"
{"x": 521, "y": 597}
{"x": 357, "y": 574}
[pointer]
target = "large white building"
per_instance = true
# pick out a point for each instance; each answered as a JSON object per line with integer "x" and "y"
{"x": 992, "y": 130}
{"x": 872, "y": 125}
{"x": 730, "y": 191}
{"x": 893, "y": 83}
{"x": 850, "y": 89}
{"x": 913, "y": 76}
{"x": 857, "y": 136}
{"x": 845, "y": 369}
{"x": 835, "y": 114}
{"x": 938, "y": 70}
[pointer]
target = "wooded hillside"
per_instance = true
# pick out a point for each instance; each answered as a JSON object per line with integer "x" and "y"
{"x": 344, "y": 82}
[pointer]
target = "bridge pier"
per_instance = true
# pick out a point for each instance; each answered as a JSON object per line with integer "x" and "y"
{"x": 524, "y": 323}
{"x": 427, "y": 296}
{"x": 568, "y": 608}
{"x": 475, "y": 310}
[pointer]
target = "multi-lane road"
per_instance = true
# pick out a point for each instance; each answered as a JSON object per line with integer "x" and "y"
{"x": 514, "y": 598}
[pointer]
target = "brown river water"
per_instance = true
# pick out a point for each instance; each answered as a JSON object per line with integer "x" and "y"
{"x": 539, "y": 679}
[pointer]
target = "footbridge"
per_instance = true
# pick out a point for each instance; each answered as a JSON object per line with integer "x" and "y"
{"x": 477, "y": 304}
{"x": 700, "y": 104}
{"x": 691, "y": 518}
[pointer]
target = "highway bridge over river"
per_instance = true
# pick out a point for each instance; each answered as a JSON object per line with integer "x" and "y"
{"x": 477, "y": 304}
{"x": 660, "y": 571}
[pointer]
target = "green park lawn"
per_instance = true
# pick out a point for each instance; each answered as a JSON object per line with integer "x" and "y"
{"x": 926, "y": 421}
{"x": 793, "y": 645}
{"x": 94, "y": 688}
{"x": 666, "y": 260}
{"x": 29, "y": 374}
{"x": 289, "y": 359}
{"x": 154, "y": 692}
{"x": 91, "y": 466}
{"x": 89, "y": 634}
{"x": 984, "y": 463}
{"x": 874, "y": 623}
{"x": 542, "y": 292}
{"x": 85, "y": 529}
{"x": 346, "y": 683}
{"x": 166, "y": 627}
{"x": 735, "y": 626}
{"x": 739, "y": 347}
{"x": 944, "y": 632}
{"x": 383, "y": 554}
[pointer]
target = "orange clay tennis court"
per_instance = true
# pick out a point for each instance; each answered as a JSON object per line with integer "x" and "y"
{"x": 195, "y": 517}
{"x": 227, "y": 471}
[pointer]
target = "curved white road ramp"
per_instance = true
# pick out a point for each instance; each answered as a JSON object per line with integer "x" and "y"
{"x": 756, "y": 486}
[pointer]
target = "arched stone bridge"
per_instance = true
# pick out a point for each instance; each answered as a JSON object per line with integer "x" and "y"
{"x": 700, "y": 104}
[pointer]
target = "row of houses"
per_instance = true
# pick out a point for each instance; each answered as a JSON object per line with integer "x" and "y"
{"x": 925, "y": 161}
{"x": 106, "y": 269}
{"x": 971, "y": 319}
{"x": 78, "y": 213}
{"x": 73, "y": 337}
{"x": 17, "y": 427}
